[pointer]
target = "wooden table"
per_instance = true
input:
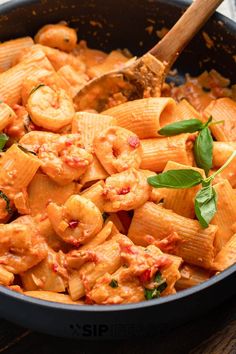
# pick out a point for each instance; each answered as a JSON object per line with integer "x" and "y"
{"x": 215, "y": 333}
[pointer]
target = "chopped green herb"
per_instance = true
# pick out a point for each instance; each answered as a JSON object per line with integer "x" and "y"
{"x": 206, "y": 89}
{"x": 26, "y": 150}
{"x": 113, "y": 283}
{"x": 36, "y": 88}
{"x": 7, "y": 200}
{"x": 105, "y": 216}
{"x": 160, "y": 286}
{"x": 3, "y": 139}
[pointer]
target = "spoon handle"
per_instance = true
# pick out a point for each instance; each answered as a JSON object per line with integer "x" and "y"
{"x": 169, "y": 48}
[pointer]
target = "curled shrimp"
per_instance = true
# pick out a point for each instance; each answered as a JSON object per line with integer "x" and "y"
{"x": 77, "y": 221}
{"x": 125, "y": 191}
{"x": 63, "y": 159}
{"x": 33, "y": 140}
{"x": 20, "y": 247}
{"x": 42, "y": 77}
{"x": 57, "y": 36}
{"x": 118, "y": 149}
{"x": 49, "y": 108}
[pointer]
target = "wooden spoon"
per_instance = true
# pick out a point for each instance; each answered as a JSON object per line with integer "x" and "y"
{"x": 144, "y": 77}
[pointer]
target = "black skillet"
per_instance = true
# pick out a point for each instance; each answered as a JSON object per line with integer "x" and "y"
{"x": 124, "y": 25}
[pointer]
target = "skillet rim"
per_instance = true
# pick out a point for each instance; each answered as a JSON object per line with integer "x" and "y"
{"x": 230, "y": 25}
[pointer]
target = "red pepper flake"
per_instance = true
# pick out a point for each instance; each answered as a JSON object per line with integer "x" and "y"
{"x": 145, "y": 276}
{"x": 68, "y": 142}
{"x": 123, "y": 191}
{"x": 55, "y": 267}
{"x": 73, "y": 224}
{"x": 75, "y": 243}
{"x": 127, "y": 249}
{"x": 134, "y": 141}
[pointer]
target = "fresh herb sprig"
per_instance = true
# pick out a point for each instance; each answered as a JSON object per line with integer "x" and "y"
{"x": 203, "y": 147}
{"x": 159, "y": 286}
{"x": 205, "y": 204}
{"x": 7, "y": 200}
{"x": 3, "y": 140}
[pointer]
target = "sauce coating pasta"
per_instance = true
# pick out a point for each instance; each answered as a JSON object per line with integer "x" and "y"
{"x": 79, "y": 221}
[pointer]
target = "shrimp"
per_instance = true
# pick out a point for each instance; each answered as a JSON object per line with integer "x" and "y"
{"x": 50, "y": 109}
{"x": 118, "y": 149}
{"x": 125, "y": 191}
{"x": 63, "y": 159}
{"x": 32, "y": 141}
{"x": 57, "y": 36}
{"x": 77, "y": 221}
{"x": 62, "y": 156}
{"x": 20, "y": 247}
{"x": 42, "y": 77}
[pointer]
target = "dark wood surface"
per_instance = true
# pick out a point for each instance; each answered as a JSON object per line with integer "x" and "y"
{"x": 215, "y": 333}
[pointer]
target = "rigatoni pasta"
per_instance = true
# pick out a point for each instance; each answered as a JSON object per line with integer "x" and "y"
{"x": 82, "y": 217}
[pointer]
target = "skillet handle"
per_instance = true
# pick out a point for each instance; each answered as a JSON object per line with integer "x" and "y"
{"x": 169, "y": 48}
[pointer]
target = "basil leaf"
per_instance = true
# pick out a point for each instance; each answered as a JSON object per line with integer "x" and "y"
{"x": 206, "y": 125}
{"x": 3, "y": 139}
{"x": 176, "y": 179}
{"x": 205, "y": 205}
{"x": 113, "y": 283}
{"x": 203, "y": 148}
{"x": 185, "y": 126}
{"x": 7, "y": 200}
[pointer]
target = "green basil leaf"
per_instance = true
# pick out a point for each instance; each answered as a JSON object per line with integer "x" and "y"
{"x": 205, "y": 205}
{"x": 203, "y": 148}
{"x": 185, "y": 126}
{"x": 161, "y": 285}
{"x": 7, "y": 200}
{"x": 113, "y": 283}
{"x": 176, "y": 179}
{"x": 3, "y": 139}
{"x": 206, "y": 125}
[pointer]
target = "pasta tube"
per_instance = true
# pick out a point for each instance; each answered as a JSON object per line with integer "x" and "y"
{"x": 227, "y": 255}
{"x": 6, "y": 115}
{"x": 43, "y": 190}
{"x": 6, "y": 277}
{"x": 181, "y": 201}
{"x": 89, "y": 125}
{"x": 225, "y": 216}
{"x": 95, "y": 194}
{"x": 17, "y": 168}
{"x": 10, "y": 50}
{"x": 144, "y": 117}
{"x": 194, "y": 244}
{"x": 51, "y": 296}
{"x": 108, "y": 261}
{"x": 12, "y": 79}
{"x": 191, "y": 276}
{"x": 157, "y": 152}
{"x": 223, "y": 108}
